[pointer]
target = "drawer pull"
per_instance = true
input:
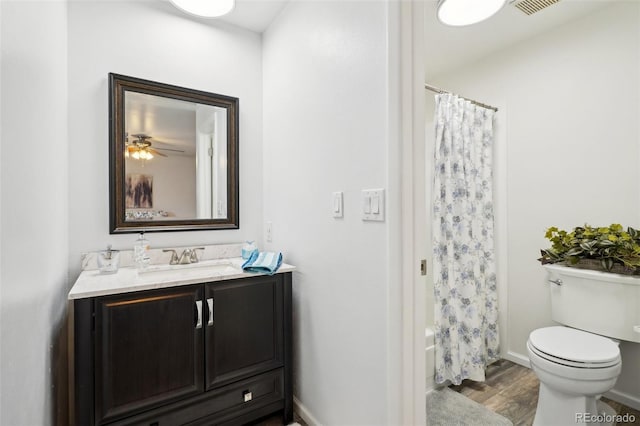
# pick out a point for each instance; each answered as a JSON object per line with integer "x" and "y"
{"x": 556, "y": 282}
{"x": 247, "y": 395}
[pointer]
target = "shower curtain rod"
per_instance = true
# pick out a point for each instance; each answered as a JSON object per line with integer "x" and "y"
{"x": 435, "y": 89}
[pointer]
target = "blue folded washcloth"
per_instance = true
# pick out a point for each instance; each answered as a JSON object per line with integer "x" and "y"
{"x": 265, "y": 262}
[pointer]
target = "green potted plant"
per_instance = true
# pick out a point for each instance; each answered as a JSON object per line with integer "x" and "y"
{"x": 609, "y": 248}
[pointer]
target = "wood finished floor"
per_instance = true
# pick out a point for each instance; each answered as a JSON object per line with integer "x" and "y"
{"x": 511, "y": 390}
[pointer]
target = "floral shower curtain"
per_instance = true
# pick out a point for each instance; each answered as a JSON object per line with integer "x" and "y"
{"x": 466, "y": 312}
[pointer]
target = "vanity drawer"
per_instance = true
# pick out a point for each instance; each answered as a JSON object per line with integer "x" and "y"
{"x": 249, "y": 394}
{"x": 219, "y": 405}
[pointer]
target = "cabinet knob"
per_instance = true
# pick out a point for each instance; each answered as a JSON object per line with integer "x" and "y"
{"x": 247, "y": 395}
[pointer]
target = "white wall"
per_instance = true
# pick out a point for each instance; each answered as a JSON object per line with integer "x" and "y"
{"x": 326, "y": 129}
{"x": 33, "y": 199}
{"x": 572, "y": 100}
{"x": 153, "y": 40}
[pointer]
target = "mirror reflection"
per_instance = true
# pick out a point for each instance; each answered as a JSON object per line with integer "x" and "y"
{"x": 175, "y": 159}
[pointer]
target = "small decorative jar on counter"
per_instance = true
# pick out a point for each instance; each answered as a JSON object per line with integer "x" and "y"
{"x": 108, "y": 261}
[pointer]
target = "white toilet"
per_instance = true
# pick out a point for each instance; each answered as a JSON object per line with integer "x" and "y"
{"x": 574, "y": 367}
{"x": 580, "y": 361}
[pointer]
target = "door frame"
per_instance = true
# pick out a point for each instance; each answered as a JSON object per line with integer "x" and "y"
{"x": 407, "y": 300}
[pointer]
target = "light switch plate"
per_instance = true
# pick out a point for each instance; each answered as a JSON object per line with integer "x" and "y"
{"x": 373, "y": 206}
{"x": 337, "y": 204}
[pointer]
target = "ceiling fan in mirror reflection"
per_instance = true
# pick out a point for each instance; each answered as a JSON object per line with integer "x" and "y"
{"x": 140, "y": 147}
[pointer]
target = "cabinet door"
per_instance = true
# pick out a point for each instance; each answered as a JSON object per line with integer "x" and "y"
{"x": 244, "y": 328}
{"x": 149, "y": 348}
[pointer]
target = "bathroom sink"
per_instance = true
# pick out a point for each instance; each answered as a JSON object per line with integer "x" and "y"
{"x": 212, "y": 266}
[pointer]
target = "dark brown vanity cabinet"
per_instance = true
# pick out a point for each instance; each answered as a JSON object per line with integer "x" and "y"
{"x": 200, "y": 354}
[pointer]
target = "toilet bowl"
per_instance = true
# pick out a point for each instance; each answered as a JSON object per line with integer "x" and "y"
{"x": 574, "y": 368}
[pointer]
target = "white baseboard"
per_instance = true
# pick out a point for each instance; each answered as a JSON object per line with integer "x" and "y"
{"x": 518, "y": 358}
{"x": 624, "y": 398}
{"x": 304, "y": 412}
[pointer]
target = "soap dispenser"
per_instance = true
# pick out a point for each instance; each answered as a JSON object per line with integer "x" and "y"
{"x": 141, "y": 252}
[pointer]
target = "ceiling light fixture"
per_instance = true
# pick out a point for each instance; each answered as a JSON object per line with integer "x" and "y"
{"x": 205, "y": 8}
{"x": 459, "y": 13}
{"x": 138, "y": 153}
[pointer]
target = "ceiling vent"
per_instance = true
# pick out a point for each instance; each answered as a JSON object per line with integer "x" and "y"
{"x": 532, "y": 6}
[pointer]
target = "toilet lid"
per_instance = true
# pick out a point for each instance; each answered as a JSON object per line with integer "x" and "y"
{"x": 574, "y": 345}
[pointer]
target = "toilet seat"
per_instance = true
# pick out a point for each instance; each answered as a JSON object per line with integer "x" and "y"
{"x": 570, "y": 363}
{"x": 574, "y": 348}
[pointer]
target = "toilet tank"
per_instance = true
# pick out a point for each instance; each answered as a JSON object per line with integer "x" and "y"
{"x": 599, "y": 302}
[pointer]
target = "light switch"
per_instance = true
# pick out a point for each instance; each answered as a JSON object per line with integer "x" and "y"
{"x": 366, "y": 203}
{"x": 373, "y": 205}
{"x": 337, "y": 204}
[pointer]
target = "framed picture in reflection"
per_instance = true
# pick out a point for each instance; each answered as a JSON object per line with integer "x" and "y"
{"x": 139, "y": 191}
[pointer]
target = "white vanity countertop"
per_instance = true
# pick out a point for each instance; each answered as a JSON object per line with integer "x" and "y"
{"x": 92, "y": 283}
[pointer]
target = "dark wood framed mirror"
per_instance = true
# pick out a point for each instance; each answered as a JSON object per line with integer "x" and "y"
{"x": 173, "y": 158}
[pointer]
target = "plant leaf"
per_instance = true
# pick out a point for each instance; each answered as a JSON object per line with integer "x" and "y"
{"x": 606, "y": 243}
{"x": 575, "y": 251}
{"x": 607, "y": 263}
{"x": 586, "y": 246}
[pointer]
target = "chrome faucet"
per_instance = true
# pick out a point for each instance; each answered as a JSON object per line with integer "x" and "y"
{"x": 189, "y": 255}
